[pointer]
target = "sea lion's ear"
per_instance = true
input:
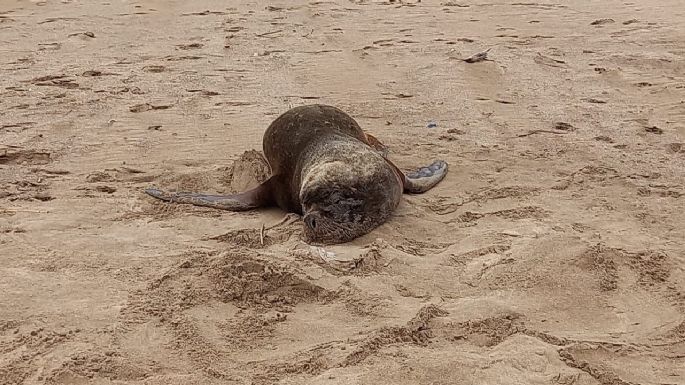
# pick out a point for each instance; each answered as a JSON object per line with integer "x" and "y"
{"x": 423, "y": 179}
{"x": 259, "y": 196}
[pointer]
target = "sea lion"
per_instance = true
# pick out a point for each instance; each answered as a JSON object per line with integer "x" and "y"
{"x": 324, "y": 167}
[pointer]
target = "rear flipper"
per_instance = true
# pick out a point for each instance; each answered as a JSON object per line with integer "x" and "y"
{"x": 259, "y": 196}
{"x": 423, "y": 179}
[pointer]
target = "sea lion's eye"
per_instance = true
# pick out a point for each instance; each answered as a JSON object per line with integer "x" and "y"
{"x": 351, "y": 202}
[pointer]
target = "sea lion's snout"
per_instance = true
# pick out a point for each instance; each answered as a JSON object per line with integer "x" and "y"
{"x": 310, "y": 221}
{"x": 320, "y": 229}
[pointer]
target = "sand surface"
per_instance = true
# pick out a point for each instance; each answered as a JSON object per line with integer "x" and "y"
{"x": 553, "y": 252}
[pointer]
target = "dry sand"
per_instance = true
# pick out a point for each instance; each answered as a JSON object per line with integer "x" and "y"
{"x": 553, "y": 252}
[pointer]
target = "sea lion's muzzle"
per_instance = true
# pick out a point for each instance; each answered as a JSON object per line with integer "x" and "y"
{"x": 310, "y": 220}
{"x": 320, "y": 229}
{"x": 314, "y": 226}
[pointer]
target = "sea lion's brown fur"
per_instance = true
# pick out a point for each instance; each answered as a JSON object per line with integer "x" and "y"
{"x": 327, "y": 169}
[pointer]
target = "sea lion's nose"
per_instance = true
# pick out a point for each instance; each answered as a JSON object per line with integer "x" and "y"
{"x": 310, "y": 221}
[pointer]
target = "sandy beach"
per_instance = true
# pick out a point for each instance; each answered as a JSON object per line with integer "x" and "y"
{"x": 552, "y": 253}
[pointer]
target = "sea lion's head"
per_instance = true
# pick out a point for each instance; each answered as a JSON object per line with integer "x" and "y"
{"x": 342, "y": 201}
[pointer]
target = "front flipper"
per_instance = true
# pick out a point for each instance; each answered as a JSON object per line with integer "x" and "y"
{"x": 423, "y": 179}
{"x": 377, "y": 145}
{"x": 259, "y": 196}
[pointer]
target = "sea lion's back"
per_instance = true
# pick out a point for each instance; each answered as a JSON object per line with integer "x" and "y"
{"x": 297, "y": 128}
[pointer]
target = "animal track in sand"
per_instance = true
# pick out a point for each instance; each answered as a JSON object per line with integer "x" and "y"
{"x": 446, "y": 205}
